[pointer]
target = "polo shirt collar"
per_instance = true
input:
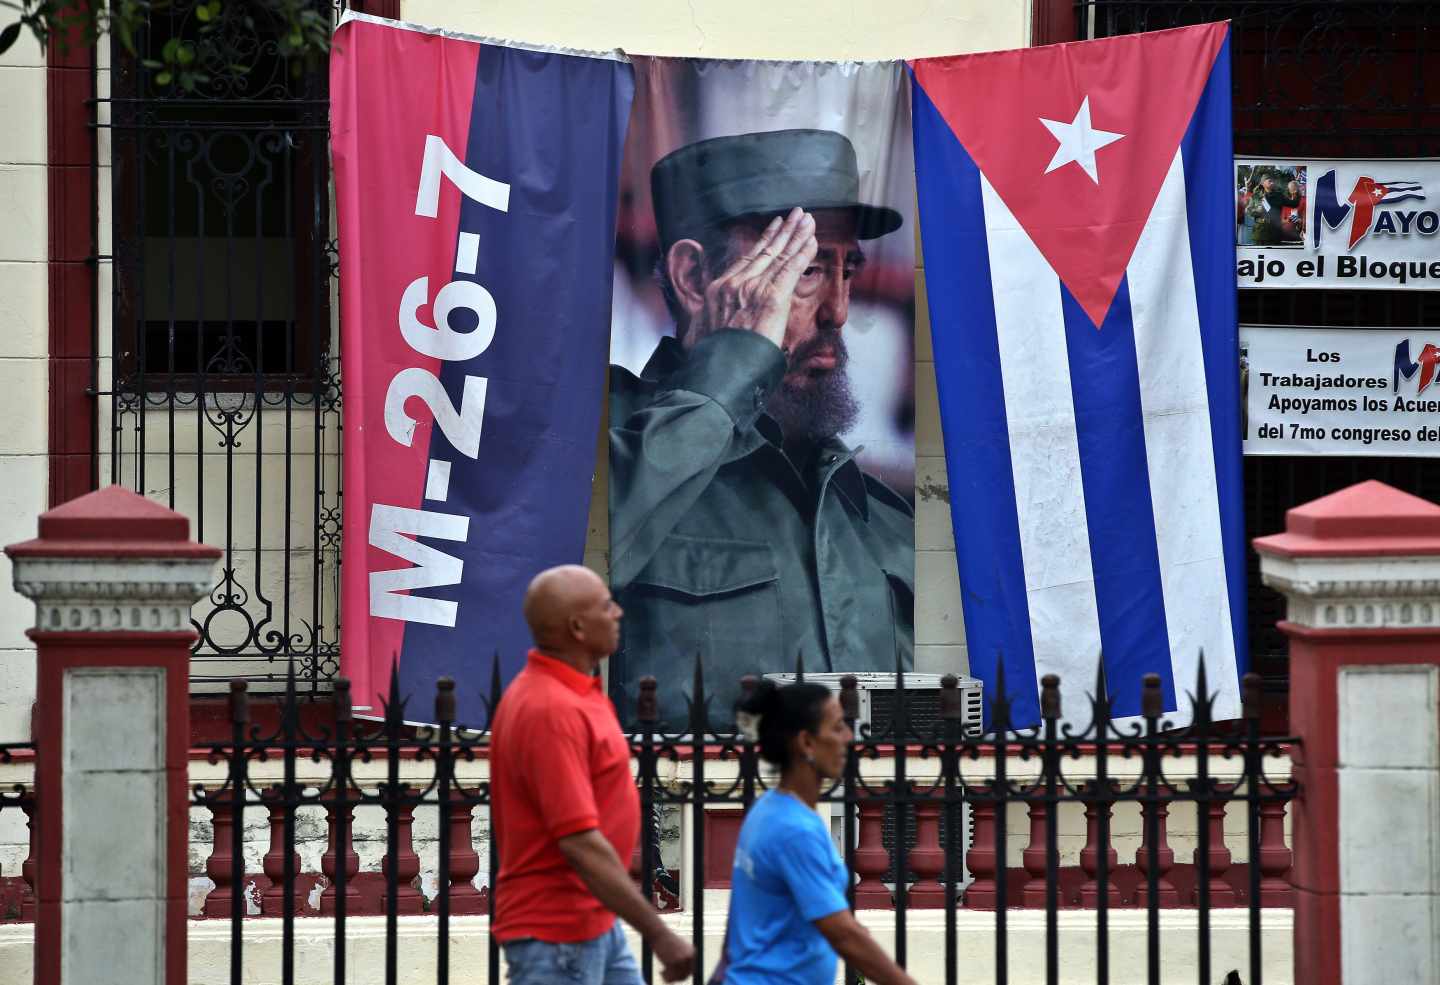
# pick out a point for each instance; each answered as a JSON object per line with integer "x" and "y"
{"x": 581, "y": 684}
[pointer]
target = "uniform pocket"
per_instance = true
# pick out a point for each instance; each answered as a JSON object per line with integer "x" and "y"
{"x": 719, "y": 597}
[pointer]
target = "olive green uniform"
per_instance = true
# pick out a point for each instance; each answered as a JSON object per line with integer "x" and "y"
{"x": 721, "y": 546}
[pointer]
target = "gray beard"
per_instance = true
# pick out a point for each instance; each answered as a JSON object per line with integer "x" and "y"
{"x": 822, "y": 410}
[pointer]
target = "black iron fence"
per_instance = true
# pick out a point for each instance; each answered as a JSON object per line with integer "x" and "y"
{"x": 919, "y": 781}
{"x": 17, "y": 800}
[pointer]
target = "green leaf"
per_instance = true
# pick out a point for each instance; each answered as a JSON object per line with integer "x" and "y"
{"x": 203, "y": 15}
{"x": 168, "y": 52}
{"x": 163, "y": 78}
{"x": 151, "y": 63}
{"x": 185, "y": 54}
{"x": 8, "y": 36}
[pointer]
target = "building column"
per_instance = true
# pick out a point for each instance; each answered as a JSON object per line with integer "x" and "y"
{"x": 1360, "y": 570}
{"x": 113, "y": 577}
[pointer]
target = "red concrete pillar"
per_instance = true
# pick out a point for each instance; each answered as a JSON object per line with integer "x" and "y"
{"x": 113, "y": 577}
{"x": 1360, "y": 570}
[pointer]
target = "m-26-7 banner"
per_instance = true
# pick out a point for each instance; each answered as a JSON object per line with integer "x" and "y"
{"x": 476, "y": 189}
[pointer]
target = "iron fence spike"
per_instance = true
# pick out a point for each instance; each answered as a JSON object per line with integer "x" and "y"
{"x": 343, "y": 701}
{"x": 445, "y": 700}
{"x": 1050, "y": 697}
{"x": 950, "y": 706}
{"x": 1250, "y": 691}
{"x": 850, "y": 697}
{"x": 648, "y": 707}
{"x": 799, "y": 667}
{"x": 239, "y": 702}
{"x": 699, "y": 719}
{"x": 1152, "y": 702}
{"x": 494, "y": 683}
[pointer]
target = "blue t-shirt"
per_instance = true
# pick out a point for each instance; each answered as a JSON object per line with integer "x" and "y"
{"x": 787, "y": 874}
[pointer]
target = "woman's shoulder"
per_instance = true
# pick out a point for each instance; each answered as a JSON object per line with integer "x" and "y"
{"x": 779, "y": 811}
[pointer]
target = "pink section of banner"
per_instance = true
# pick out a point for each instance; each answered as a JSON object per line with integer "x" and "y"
{"x": 390, "y": 89}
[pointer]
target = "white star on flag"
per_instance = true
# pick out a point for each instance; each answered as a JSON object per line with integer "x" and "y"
{"x": 1078, "y": 141}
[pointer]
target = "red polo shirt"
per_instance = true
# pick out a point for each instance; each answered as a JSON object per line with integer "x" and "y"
{"x": 559, "y": 765}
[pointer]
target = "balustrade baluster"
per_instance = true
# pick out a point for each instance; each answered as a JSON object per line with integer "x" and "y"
{"x": 27, "y": 868}
{"x": 408, "y": 899}
{"x": 219, "y": 866}
{"x": 927, "y": 860}
{"x": 1165, "y": 892}
{"x": 1275, "y": 857}
{"x": 465, "y": 899}
{"x": 334, "y": 850}
{"x": 981, "y": 858}
{"x": 272, "y": 901}
{"x": 1033, "y": 858}
{"x": 872, "y": 861}
{"x": 1221, "y": 892}
{"x": 1095, "y": 809}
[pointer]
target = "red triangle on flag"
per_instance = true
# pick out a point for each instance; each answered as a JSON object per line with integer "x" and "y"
{"x": 1117, "y": 110}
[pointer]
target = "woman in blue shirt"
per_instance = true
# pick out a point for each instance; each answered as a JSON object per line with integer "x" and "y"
{"x": 788, "y": 912}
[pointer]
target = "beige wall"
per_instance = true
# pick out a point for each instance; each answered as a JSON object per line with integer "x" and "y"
{"x": 819, "y": 29}
{"x": 24, "y": 349}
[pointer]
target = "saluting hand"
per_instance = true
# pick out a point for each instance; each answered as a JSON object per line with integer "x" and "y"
{"x": 756, "y": 290}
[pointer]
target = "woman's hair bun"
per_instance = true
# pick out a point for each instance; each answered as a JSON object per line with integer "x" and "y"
{"x": 764, "y": 697}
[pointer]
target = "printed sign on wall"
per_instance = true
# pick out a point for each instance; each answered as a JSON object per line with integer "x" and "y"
{"x": 1363, "y": 225}
{"x": 1340, "y": 391}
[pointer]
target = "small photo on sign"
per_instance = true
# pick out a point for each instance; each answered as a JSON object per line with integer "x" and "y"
{"x": 1270, "y": 204}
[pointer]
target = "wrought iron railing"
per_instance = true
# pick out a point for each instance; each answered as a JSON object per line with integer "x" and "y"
{"x": 924, "y": 779}
{"x": 219, "y": 376}
{"x": 17, "y": 800}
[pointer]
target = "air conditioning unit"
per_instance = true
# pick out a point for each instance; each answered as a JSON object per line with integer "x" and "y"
{"x": 922, "y": 700}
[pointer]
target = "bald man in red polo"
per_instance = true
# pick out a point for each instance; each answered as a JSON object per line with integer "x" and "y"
{"x": 566, "y": 809}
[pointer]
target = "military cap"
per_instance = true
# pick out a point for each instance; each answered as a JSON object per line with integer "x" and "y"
{"x": 705, "y": 184}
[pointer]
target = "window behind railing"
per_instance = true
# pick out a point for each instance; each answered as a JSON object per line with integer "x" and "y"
{"x": 220, "y": 386}
{"x": 1318, "y": 78}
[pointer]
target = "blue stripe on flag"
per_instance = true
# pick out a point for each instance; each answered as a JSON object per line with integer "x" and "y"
{"x": 972, "y": 409}
{"x": 1209, "y": 195}
{"x": 1105, "y": 384}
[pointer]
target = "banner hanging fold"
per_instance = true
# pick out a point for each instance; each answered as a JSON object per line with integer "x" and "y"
{"x": 476, "y": 194}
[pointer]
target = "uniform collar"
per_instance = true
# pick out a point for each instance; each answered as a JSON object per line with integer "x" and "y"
{"x": 834, "y": 457}
{"x": 581, "y": 684}
{"x": 839, "y": 461}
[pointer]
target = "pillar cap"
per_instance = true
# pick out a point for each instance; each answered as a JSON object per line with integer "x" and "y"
{"x": 1366, "y": 519}
{"x": 113, "y": 523}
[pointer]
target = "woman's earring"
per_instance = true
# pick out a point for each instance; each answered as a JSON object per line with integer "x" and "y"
{"x": 810, "y": 761}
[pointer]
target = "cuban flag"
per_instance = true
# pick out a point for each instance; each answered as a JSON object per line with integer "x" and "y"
{"x": 1078, "y": 231}
{"x": 476, "y": 186}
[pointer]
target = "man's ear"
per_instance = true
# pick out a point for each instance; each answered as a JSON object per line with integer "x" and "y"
{"x": 685, "y": 265}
